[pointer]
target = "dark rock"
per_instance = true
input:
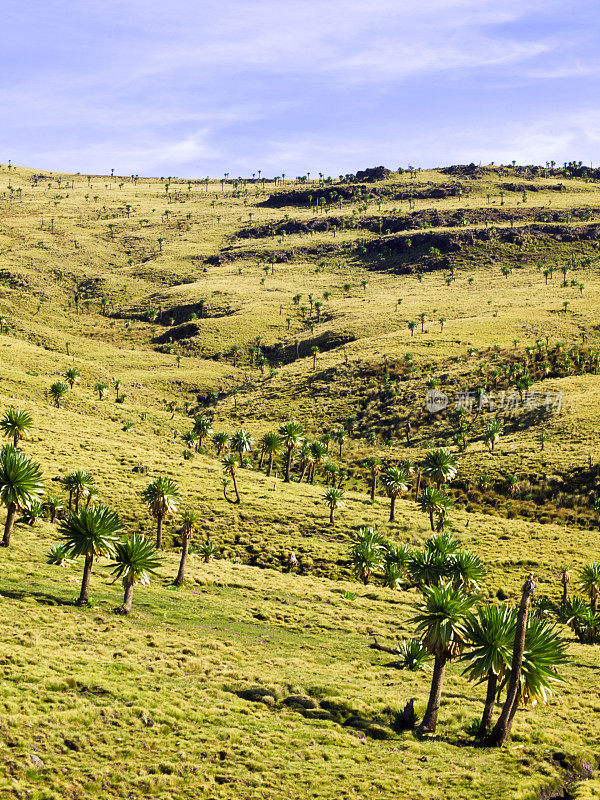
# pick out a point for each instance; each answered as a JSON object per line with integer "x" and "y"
{"x": 373, "y": 174}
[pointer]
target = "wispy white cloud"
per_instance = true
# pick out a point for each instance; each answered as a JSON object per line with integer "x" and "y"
{"x": 292, "y": 85}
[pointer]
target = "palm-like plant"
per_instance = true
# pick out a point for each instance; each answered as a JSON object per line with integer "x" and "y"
{"x": 490, "y": 632}
{"x": 443, "y": 543}
{"x": 581, "y": 618}
{"x": 441, "y": 618}
{"x": 191, "y": 439}
{"x": 340, "y": 435}
{"x": 53, "y": 504}
{"x": 306, "y": 460}
{"x": 334, "y": 497}
{"x": 21, "y": 485}
{"x": 492, "y": 433}
{"x": 220, "y": 441}
{"x": 207, "y": 549}
{"x": 318, "y": 451}
{"x": 91, "y": 532}
{"x": 161, "y": 497}
{"x": 330, "y": 471}
{"x": 101, "y": 389}
{"x": 59, "y": 556}
{"x": 440, "y": 466}
{"x": 589, "y": 581}
{"x": 230, "y": 466}
{"x": 431, "y": 501}
{"x": 72, "y": 376}
{"x": 202, "y": 428}
{"x": 501, "y": 730}
{"x": 412, "y": 655}
{"x": 373, "y": 464}
{"x": 314, "y": 350}
{"x": 16, "y": 424}
{"x": 79, "y": 484}
{"x": 397, "y": 554}
{"x": 135, "y": 560}
{"x": 545, "y": 650}
{"x": 395, "y": 481}
{"x": 467, "y": 570}
{"x": 445, "y": 506}
{"x": 189, "y": 523}
{"x": 291, "y": 433}
{"x": 241, "y": 442}
{"x": 428, "y": 567}
{"x": 393, "y": 574}
{"x": 58, "y": 392}
{"x": 270, "y": 445}
{"x": 368, "y": 554}
{"x": 33, "y": 513}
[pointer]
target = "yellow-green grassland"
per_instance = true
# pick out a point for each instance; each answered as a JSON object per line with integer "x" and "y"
{"x": 338, "y": 304}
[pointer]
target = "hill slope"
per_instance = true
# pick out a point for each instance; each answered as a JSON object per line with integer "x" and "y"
{"x": 210, "y": 297}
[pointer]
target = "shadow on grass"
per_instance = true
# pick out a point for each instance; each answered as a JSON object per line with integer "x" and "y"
{"x": 40, "y": 597}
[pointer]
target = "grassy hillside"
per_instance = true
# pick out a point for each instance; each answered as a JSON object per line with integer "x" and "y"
{"x": 210, "y": 297}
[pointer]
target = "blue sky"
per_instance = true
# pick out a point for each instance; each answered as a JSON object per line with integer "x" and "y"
{"x": 200, "y": 88}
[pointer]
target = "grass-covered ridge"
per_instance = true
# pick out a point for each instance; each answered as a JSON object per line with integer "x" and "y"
{"x": 250, "y": 303}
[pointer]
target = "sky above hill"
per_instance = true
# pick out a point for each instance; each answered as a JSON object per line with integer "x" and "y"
{"x": 198, "y": 87}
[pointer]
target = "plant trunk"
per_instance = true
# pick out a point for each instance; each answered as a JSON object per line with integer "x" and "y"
{"x": 418, "y": 484}
{"x": 184, "y": 553}
{"x": 237, "y": 494}
{"x": 373, "y": 487}
{"x": 84, "y": 594}
{"x": 431, "y": 519}
{"x": 331, "y": 515}
{"x": 127, "y": 599}
{"x": 261, "y": 459}
{"x": 16, "y": 441}
{"x": 11, "y": 513}
{"x": 429, "y": 721}
{"x": 270, "y": 464}
{"x": 288, "y": 465}
{"x": 488, "y": 709}
{"x": 159, "y": 527}
{"x": 502, "y": 728}
{"x": 392, "y": 508}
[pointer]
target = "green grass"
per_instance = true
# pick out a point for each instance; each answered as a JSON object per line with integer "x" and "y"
{"x": 147, "y": 705}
